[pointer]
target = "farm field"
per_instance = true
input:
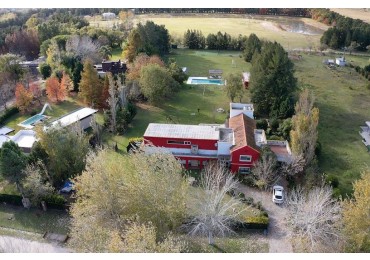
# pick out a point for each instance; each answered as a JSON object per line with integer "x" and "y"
{"x": 265, "y": 27}
{"x": 355, "y": 13}
{"x": 344, "y": 102}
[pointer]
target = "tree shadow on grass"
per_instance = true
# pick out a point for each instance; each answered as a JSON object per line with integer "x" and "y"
{"x": 219, "y": 249}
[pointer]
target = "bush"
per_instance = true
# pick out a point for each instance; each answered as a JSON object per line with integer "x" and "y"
{"x": 259, "y": 205}
{"x": 246, "y": 180}
{"x": 55, "y": 201}
{"x": 261, "y": 124}
{"x": 333, "y": 181}
{"x": 11, "y": 199}
{"x": 274, "y": 124}
{"x": 249, "y": 200}
{"x": 257, "y": 220}
{"x": 8, "y": 113}
{"x": 241, "y": 195}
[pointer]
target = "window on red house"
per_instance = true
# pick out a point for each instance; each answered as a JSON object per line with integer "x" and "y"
{"x": 245, "y": 158}
{"x": 244, "y": 170}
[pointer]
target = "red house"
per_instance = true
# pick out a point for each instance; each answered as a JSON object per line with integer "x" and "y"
{"x": 235, "y": 144}
{"x": 244, "y": 152}
{"x": 196, "y": 145}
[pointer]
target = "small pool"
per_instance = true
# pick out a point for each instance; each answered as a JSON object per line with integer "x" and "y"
{"x": 29, "y": 122}
{"x": 204, "y": 81}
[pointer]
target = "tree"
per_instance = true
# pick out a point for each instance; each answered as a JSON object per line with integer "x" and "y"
{"x": 113, "y": 104}
{"x": 149, "y": 38}
{"x": 10, "y": 64}
{"x": 84, "y": 48}
{"x": 142, "y": 60}
{"x": 90, "y": 85}
{"x": 150, "y": 188}
{"x": 156, "y": 83}
{"x": 36, "y": 91}
{"x": 66, "y": 149}
{"x": 45, "y": 70}
{"x": 12, "y": 162}
{"x": 234, "y": 86}
{"x": 66, "y": 85}
{"x": 314, "y": 220}
{"x": 356, "y": 215}
{"x": 54, "y": 90}
{"x": 304, "y": 133}
{"x": 176, "y": 72}
{"x": 272, "y": 82}
{"x": 212, "y": 210}
{"x": 35, "y": 185}
{"x": 23, "y": 98}
{"x": 142, "y": 238}
{"x": 23, "y": 42}
{"x": 105, "y": 51}
{"x": 252, "y": 45}
{"x": 265, "y": 169}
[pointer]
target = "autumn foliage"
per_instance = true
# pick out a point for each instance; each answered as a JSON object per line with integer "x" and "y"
{"x": 56, "y": 91}
{"x": 140, "y": 61}
{"x": 23, "y": 98}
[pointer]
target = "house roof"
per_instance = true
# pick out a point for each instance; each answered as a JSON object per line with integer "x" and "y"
{"x": 24, "y": 138}
{"x": 74, "y": 116}
{"x": 5, "y": 130}
{"x": 206, "y": 132}
{"x": 243, "y": 127}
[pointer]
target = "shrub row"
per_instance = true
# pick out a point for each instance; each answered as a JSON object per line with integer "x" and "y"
{"x": 8, "y": 113}
{"x": 53, "y": 201}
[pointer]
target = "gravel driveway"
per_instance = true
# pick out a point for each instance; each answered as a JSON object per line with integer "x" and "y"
{"x": 277, "y": 235}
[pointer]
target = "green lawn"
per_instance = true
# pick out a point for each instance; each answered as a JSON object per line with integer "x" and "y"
{"x": 344, "y": 104}
{"x": 34, "y": 220}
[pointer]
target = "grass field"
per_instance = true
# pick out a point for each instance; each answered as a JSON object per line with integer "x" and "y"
{"x": 264, "y": 27}
{"x": 355, "y": 13}
{"x": 344, "y": 103}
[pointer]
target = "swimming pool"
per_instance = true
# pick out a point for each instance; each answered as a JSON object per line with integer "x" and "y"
{"x": 204, "y": 81}
{"x": 29, "y": 122}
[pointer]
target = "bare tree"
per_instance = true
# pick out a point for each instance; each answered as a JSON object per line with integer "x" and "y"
{"x": 97, "y": 132}
{"x": 212, "y": 209}
{"x": 314, "y": 219}
{"x": 84, "y": 47}
{"x": 265, "y": 170}
{"x": 294, "y": 166}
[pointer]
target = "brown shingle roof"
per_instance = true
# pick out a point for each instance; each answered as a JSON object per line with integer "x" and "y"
{"x": 243, "y": 131}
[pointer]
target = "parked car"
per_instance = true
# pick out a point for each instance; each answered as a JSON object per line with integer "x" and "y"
{"x": 278, "y": 194}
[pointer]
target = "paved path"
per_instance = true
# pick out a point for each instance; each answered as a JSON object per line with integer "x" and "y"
{"x": 277, "y": 235}
{"x": 18, "y": 245}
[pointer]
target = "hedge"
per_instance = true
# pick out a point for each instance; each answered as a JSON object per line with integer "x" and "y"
{"x": 11, "y": 199}
{"x": 8, "y": 113}
{"x": 53, "y": 201}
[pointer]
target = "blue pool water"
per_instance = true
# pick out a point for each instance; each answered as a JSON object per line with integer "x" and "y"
{"x": 32, "y": 120}
{"x": 208, "y": 81}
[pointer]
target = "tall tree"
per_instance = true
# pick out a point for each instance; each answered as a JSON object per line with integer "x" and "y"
{"x": 304, "y": 133}
{"x": 66, "y": 84}
{"x": 156, "y": 83}
{"x": 141, "y": 61}
{"x": 90, "y": 85}
{"x": 252, "y": 45}
{"x": 356, "y": 215}
{"x": 314, "y": 220}
{"x": 272, "y": 83}
{"x": 23, "y": 98}
{"x": 66, "y": 149}
{"x": 56, "y": 92}
{"x": 212, "y": 210}
{"x": 12, "y": 162}
{"x": 24, "y": 42}
{"x": 234, "y": 86}
{"x": 150, "y": 188}
{"x": 36, "y": 91}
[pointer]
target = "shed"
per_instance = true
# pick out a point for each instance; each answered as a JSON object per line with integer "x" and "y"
{"x": 340, "y": 61}
{"x": 82, "y": 115}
